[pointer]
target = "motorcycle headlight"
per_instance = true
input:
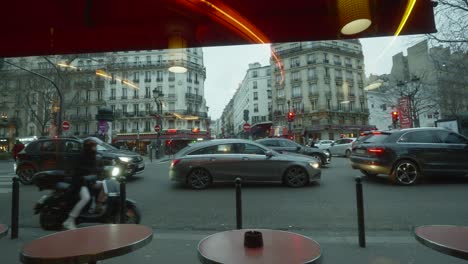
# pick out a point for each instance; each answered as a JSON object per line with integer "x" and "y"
{"x": 115, "y": 172}
{"x": 125, "y": 159}
{"x": 314, "y": 164}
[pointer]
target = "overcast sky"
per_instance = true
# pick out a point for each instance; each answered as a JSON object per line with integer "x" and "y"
{"x": 226, "y": 66}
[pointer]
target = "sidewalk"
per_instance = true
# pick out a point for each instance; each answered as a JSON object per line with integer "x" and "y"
{"x": 181, "y": 247}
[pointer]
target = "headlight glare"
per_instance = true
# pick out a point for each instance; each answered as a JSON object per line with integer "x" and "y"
{"x": 314, "y": 164}
{"x": 125, "y": 159}
{"x": 115, "y": 172}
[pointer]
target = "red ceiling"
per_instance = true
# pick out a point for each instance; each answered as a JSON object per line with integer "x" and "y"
{"x": 61, "y": 27}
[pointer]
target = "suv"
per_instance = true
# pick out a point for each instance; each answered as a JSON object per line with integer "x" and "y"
{"x": 58, "y": 153}
{"x": 282, "y": 144}
{"x": 408, "y": 154}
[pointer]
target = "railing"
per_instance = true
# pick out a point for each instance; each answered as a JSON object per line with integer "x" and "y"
{"x": 124, "y": 97}
{"x": 195, "y": 97}
{"x": 171, "y": 79}
{"x": 147, "y": 80}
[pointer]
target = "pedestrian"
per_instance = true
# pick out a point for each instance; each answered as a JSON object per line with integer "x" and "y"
{"x": 17, "y": 148}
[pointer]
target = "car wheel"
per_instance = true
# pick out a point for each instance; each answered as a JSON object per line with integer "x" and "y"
{"x": 348, "y": 153}
{"x": 368, "y": 174}
{"x": 318, "y": 158}
{"x": 405, "y": 172}
{"x": 296, "y": 177}
{"x": 199, "y": 178}
{"x": 25, "y": 174}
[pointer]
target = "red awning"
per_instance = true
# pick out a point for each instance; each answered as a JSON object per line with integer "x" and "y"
{"x": 66, "y": 27}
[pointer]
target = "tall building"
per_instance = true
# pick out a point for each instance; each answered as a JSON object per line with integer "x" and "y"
{"x": 253, "y": 95}
{"x": 323, "y": 83}
{"x": 125, "y": 82}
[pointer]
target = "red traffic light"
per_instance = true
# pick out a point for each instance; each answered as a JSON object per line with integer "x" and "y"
{"x": 291, "y": 116}
{"x": 395, "y": 113}
{"x": 395, "y": 116}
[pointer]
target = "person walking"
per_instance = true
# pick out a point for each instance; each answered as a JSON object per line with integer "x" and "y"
{"x": 17, "y": 148}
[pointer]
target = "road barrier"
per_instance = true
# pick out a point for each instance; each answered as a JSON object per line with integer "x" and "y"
{"x": 238, "y": 203}
{"x": 360, "y": 213}
{"x": 123, "y": 199}
{"x": 15, "y": 208}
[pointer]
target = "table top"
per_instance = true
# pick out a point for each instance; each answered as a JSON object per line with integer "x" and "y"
{"x": 447, "y": 239}
{"x": 87, "y": 244}
{"x": 3, "y": 230}
{"x": 278, "y": 247}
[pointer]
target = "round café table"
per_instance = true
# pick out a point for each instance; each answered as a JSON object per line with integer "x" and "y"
{"x": 87, "y": 245}
{"x": 447, "y": 239}
{"x": 279, "y": 247}
{"x": 3, "y": 230}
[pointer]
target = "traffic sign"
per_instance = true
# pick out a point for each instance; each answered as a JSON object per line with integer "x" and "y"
{"x": 157, "y": 128}
{"x": 65, "y": 125}
{"x": 246, "y": 126}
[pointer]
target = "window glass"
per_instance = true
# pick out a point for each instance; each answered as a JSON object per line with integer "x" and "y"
{"x": 287, "y": 143}
{"x": 216, "y": 149}
{"x": 71, "y": 146}
{"x": 271, "y": 143}
{"x": 249, "y": 149}
{"x": 451, "y": 138}
{"x": 418, "y": 137}
{"x": 50, "y": 145}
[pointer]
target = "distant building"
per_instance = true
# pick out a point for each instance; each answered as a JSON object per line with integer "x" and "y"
{"x": 323, "y": 83}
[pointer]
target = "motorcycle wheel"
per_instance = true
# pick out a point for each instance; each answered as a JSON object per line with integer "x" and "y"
{"x": 132, "y": 215}
{"x": 50, "y": 219}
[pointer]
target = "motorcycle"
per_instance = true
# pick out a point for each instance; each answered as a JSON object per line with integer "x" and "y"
{"x": 53, "y": 208}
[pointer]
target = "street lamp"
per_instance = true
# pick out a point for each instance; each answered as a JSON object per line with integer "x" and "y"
{"x": 158, "y": 95}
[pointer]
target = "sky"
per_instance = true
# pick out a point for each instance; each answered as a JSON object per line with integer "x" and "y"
{"x": 226, "y": 66}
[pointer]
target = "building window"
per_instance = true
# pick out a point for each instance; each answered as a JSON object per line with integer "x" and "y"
{"x": 341, "y": 120}
{"x": 147, "y": 76}
{"x": 340, "y": 106}
{"x": 124, "y": 93}
{"x": 124, "y": 126}
{"x": 328, "y": 104}
{"x": 112, "y": 94}
{"x": 338, "y": 73}
{"x": 171, "y": 106}
{"x": 113, "y": 109}
{"x": 313, "y": 104}
{"x": 137, "y": 60}
{"x": 281, "y": 93}
{"x": 148, "y": 59}
{"x": 255, "y": 96}
{"x": 124, "y": 108}
{"x": 148, "y": 108}
{"x": 255, "y": 85}
{"x": 337, "y": 60}
{"x": 159, "y": 76}
{"x": 254, "y": 74}
{"x": 147, "y": 92}
{"x": 351, "y": 105}
{"x": 311, "y": 73}
{"x": 269, "y": 83}
{"x": 171, "y": 76}
{"x": 310, "y": 59}
{"x": 135, "y": 94}
{"x": 269, "y": 94}
{"x": 349, "y": 75}
{"x": 295, "y": 76}
{"x": 296, "y": 91}
{"x": 313, "y": 89}
{"x": 281, "y": 108}
{"x": 136, "y": 108}
{"x": 325, "y": 57}
{"x": 383, "y": 107}
{"x": 297, "y": 106}
{"x": 268, "y": 72}
{"x": 136, "y": 77}
{"x": 353, "y": 120}
{"x": 363, "y": 106}
{"x": 88, "y": 95}
{"x": 295, "y": 62}
{"x": 255, "y": 108}
{"x": 196, "y": 78}
{"x": 327, "y": 72}
{"x": 99, "y": 95}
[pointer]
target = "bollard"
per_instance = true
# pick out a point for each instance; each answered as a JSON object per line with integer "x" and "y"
{"x": 238, "y": 203}
{"x": 123, "y": 199}
{"x": 360, "y": 213}
{"x": 15, "y": 208}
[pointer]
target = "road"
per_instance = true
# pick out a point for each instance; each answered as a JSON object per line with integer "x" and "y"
{"x": 327, "y": 210}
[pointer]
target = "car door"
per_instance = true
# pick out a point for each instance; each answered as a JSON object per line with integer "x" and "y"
{"x": 70, "y": 151}
{"x": 336, "y": 146}
{"x": 255, "y": 165}
{"x": 48, "y": 155}
{"x": 289, "y": 146}
{"x": 271, "y": 143}
{"x": 425, "y": 148}
{"x": 455, "y": 149}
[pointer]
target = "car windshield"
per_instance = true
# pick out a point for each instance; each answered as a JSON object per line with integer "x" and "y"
{"x": 159, "y": 82}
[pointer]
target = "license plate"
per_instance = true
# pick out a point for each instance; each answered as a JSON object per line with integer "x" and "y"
{"x": 360, "y": 151}
{"x": 141, "y": 165}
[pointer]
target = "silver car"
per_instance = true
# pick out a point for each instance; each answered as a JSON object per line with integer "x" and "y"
{"x": 223, "y": 160}
{"x": 342, "y": 147}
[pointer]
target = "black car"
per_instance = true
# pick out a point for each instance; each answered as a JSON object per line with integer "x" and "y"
{"x": 58, "y": 153}
{"x": 409, "y": 154}
{"x": 286, "y": 145}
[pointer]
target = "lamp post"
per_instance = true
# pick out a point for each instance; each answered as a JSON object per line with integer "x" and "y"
{"x": 158, "y": 95}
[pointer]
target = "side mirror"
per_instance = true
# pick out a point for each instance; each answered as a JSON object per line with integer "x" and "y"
{"x": 269, "y": 154}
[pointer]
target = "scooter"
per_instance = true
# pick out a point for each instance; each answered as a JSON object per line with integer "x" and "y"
{"x": 53, "y": 208}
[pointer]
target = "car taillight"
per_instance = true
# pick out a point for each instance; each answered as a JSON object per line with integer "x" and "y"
{"x": 376, "y": 150}
{"x": 175, "y": 162}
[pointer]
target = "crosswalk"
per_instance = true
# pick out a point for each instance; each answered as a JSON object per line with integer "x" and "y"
{"x": 5, "y": 182}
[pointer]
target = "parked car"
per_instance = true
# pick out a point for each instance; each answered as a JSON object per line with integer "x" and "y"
{"x": 286, "y": 145}
{"x": 223, "y": 160}
{"x": 342, "y": 147}
{"x": 324, "y": 144}
{"x": 58, "y": 153}
{"x": 407, "y": 155}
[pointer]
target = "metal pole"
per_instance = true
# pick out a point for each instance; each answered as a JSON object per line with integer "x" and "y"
{"x": 15, "y": 208}
{"x": 123, "y": 198}
{"x": 360, "y": 213}
{"x": 238, "y": 203}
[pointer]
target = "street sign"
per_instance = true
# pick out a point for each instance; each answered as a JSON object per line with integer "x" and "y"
{"x": 157, "y": 128}
{"x": 103, "y": 127}
{"x": 246, "y": 126}
{"x": 65, "y": 125}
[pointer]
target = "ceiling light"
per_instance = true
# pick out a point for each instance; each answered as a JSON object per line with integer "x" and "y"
{"x": 354, "y": 16}
{"x": 177, "y": 55}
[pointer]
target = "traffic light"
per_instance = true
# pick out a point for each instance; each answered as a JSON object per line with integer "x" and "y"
{"x": 395, "y": 116}
{"x": 246, "y": 115}
{"x": 291, "y": 116}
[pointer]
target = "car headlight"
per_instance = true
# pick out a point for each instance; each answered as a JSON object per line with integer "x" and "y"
{"x": 314, "y": 164}
{"x": 115, "y": 172}
{"x": 125, "y": 159}
{"x": 327, "y": 153}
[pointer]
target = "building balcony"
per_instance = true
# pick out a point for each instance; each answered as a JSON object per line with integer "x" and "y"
{"x": 196, "y": 82}
{"x": 147, "y": 80}
{"x": 339, "y": 80}
{"x": 296, "y": 97}
{"x": 112, "y": 98}
{"x": 81, "y": 117}
{"x": 193, "y": 97}
{"x": 348, "y": 65}
{"x": 311, "y": 62}
{"x": 326, "y": 61}
{"x": 172, "y": 79}
{"x": 338, "y": 63}
{"x": 136, "y": 80}
{"x": 296, "y": 81}
{"x": 159, "y": 79}
{"x": 99, "y": 84}
{"x": 124, "y": 97}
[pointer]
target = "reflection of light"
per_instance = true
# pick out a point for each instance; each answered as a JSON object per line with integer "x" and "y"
{"x": 199, "y": 139}
{"x": 354, "y": 16}
{"x": 67, "y": 66}
{"x": 344, "y": 102}
{"x": 373, "y": 86}
{"x": 130, "y": 84}
{"x": 177, "y": 69}
{"x": 185, "y": 117}
{"x": 103, "y": 74}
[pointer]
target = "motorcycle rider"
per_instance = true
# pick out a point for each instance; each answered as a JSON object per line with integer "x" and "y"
{"x": 86, "y": 165}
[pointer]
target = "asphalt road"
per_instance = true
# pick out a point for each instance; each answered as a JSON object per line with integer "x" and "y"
{"x": 329, "y": 208}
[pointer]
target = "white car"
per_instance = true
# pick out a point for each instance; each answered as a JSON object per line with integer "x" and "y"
{"x": 323, "y": 144}
{"x": 342, "y": 147}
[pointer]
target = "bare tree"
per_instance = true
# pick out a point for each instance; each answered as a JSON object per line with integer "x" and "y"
{"x": 452, "y": 24}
